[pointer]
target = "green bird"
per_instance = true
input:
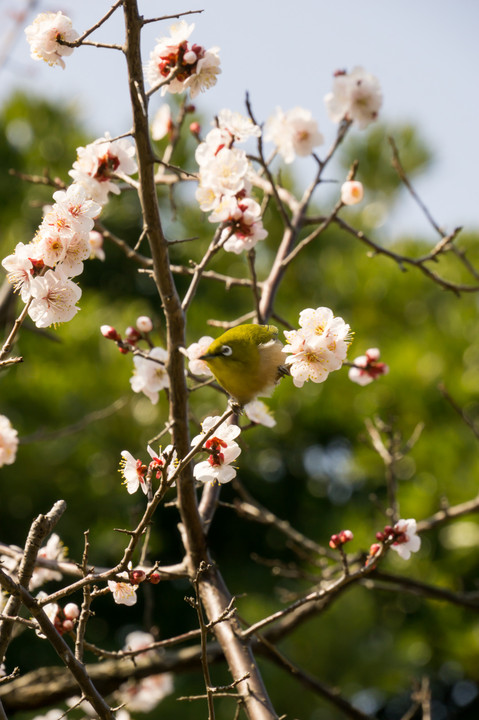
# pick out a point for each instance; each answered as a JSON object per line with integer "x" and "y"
{"x": 246, "y": 361}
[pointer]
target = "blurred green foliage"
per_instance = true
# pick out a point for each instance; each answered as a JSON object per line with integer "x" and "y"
{"x": 316, "y": 468}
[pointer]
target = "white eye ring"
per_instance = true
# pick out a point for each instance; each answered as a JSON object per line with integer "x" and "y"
{"x": 226, "y": 350}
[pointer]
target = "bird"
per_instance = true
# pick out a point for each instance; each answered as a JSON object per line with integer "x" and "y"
{"x": 246, "y": 361}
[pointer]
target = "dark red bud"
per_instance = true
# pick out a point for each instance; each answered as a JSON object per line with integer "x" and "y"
{"x": 154, "y": 578}
{"x": 137, "y": 576}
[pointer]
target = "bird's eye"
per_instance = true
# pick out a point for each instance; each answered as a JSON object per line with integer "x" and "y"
{"x": 226, "y": 350}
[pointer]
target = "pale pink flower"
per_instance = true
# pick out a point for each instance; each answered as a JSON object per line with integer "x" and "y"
{"x": 8, "y": 442}
{"x": 162, "y": 123}
{"x": 138, "y": 640}
{"x": 356, "y": 96}
{"x": 352, "y": 192}
{"x": 43, "y": 35}
{"x": 407, "y": 541}
{"x": 123, "y": 592}
{"x": 150, "y": 376}
{"x": 194, "y": 352}
{"x": 294, "y": 133}
{"x": 71, "y": 611}
{"x": 258, "y": 412}
{"x": 133, "y": 472}
{"x": 54, "y": 298}
{"x": 367, "y": 368}
{"x": 223, "y": 451}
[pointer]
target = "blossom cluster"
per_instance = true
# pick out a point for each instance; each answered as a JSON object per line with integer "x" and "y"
{"x": 41, "y": 270}
{"x": 318, "y": 348}
{"x": 223, "y": 451}
{"x": 188, "y": 65}
{"x": 62, "y": 619}
{"x": 225, "y": 187}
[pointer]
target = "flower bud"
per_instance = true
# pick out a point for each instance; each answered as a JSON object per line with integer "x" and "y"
{"x": 374, "y": 549}
{"x": 137, "y": 576}
{"x": 132, "y": 335}
{"x": 71, "y": 611}
{"x": 346, "y": 536}
{"x": 154, "y": 578}
{"x": 352, "y": 192}
{"x": 109, "y": 332}
{"x": 334, "y": 542}
{"x": 195, "y": 129}
{"x": 144, "y": 324}
{"x": 67, "y": 626}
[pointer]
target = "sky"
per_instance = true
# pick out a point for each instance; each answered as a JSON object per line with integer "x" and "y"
{"x": 424, "y": 52}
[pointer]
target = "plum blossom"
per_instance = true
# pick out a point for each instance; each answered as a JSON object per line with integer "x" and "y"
{"x": 294, "y": 132}
{"x": 53, "y": 550}
{"x": 356, "y": 96}
{"x": 145, "y": 694}
{"x": 406, "y": 539}
{"x": 258, "y": 412}
{"x": 54, "y": 298}
{"x": 226, "y": 172}
{"x": 133, "y": 472}
{"x": 95, "y": 240}
{"x": 352, "y": 192}
{"x": 124, "y": 593}
{"x": 318, "y": 348}
{"x": 99, "y": 163}
{"x": 20, "y": 268}
{"x": 223, "y": 451}
{"x": 162, "y": 123}
{"x": 367, "y": 368}
{"x": 194, "y": 67}
{"x": 194, "y": 352}
{"x": 8, "y": 442}
{"x": 150, "y": 375}
{"x": 238, "y": 126}
{"x": 43, "y": 36}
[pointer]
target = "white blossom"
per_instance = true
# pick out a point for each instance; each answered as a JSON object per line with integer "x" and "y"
{"x": 318, "y": 348}
{"x": 194, "y": 352}
{"x": 20, "y": 269}
{"x": 43, "y": 36}
{"x": 54, "y": 298}
{"x": 133, "y": 472}
{"x": 150, "y": 376}
{"x": 124, "y": 593}
{"x": 145, "y": 694}
{"x": 223, "y": 451}
{"x": 162, "y": 123}
{"x": 100, "y": 163}
{"x": 294, "y": 132}
{"x": 367, "y": 368}
{"x": 240, "y": 127}
{"x": 356, "y": 96}
{"x": 53, "y": 550}
{"x": 258, "y": 412}
{"x": 407, "y": 541}
{"x": 8, "y": 442}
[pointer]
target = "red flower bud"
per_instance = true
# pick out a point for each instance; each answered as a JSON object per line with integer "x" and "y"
{"x": 154, "y": 578}
{"x": 136, "y": 576}
{"x": 195, "y": 128}
{"x": 109, "y": 332}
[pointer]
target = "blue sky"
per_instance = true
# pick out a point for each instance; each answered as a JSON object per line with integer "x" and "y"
{"x": 424, "y": 52}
